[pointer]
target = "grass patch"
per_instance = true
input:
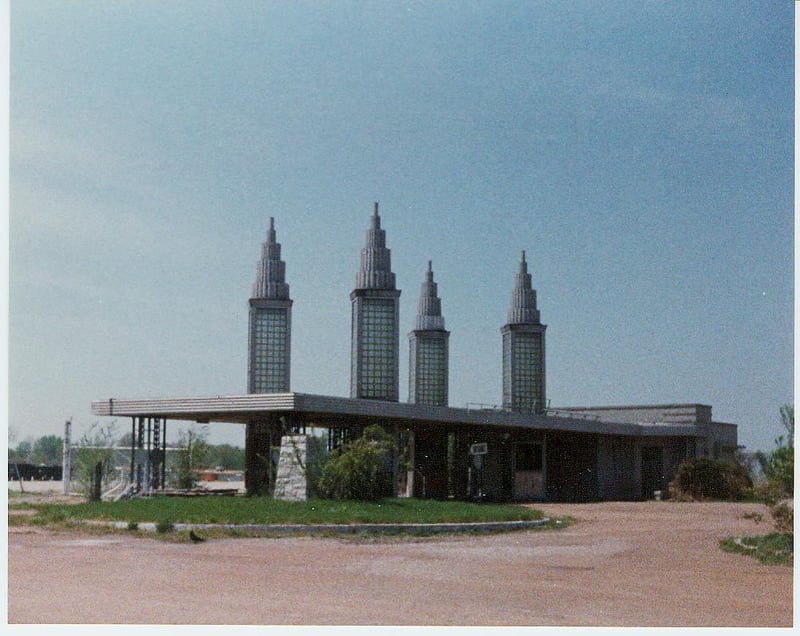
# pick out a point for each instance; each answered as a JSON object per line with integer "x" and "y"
{"x": 264, "y": 510}
{"x": 772, "y": 549}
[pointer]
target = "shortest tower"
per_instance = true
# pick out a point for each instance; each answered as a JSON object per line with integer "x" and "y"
{"x": 428, "y": 357}
{"x": 270, "y": 322}
{"x": 523, "y": 348}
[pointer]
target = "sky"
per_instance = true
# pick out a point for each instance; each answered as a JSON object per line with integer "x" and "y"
{"x": 641, "y": 154}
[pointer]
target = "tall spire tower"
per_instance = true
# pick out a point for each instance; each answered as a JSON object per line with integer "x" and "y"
{"x": 270, "y": 322}
{"x": 428, "y": 349}
{"x": 374, "y": 361}
{"x": 523, "y": 348}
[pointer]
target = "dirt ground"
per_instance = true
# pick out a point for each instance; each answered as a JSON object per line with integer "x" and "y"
{"x": 619, "y": 564}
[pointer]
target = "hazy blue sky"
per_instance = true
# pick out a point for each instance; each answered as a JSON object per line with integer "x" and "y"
{"x": 641, "y": 152}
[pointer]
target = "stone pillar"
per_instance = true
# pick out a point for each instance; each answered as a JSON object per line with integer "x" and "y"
{"x": 291, "y": 484}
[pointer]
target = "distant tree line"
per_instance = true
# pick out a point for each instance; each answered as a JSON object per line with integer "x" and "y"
{"x": 49, "y": 451}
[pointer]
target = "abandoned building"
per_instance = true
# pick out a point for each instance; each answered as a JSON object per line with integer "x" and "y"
{"x": 521, "y": 450}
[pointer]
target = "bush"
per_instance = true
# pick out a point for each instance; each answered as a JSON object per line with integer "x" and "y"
{"x": 768, "y": 491}
{"x": 783, "y": 516}
{"x": 164, "y": 526}
{"x": 704, "y": 478}
{"x": 780, "y": 468}
{"x": 358, "y": 470}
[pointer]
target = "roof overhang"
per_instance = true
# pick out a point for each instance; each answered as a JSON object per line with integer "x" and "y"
{"x": 327, "y": 411}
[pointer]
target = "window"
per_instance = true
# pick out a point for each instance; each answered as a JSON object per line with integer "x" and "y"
{"x": 377, "y": 363}
{"x": 529, "y": 457}
{"x": 270, "y": 357}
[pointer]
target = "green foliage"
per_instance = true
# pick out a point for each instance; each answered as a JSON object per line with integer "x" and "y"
{"x": 359, "y": 470}
{"x": 96, "y": 446}
{"x": 48, "y": 450}
{"x": 705, "y": 478}
{"x": 23, "y": 452}
{"x": 163, "y": 526}
{"x": 779, "y": 467}
{"x": 772, "y": 549}
{"x": 783, "y": 516}
{"x": 193, "y": 455}
{"x": 225, "y": 455}
{"x": 265, "y": 510}
{"x": 769, "y": 492}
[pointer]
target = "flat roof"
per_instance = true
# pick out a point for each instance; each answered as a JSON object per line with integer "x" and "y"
{"x": 328, "y": 411}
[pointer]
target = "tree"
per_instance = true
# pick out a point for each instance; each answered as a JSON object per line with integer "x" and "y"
{"x": 779, "y": 467}
{"x": 227, "y": 456}
{"x": 24, "y": 451}
{"x": 358, "y": 470}
{"x": 48, "y": 450}
{"x": 126, "y": 441}
{"x": 96, "y": 446}
{"x": 192, "y": 454}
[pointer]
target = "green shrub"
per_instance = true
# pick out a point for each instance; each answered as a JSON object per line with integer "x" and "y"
{"x": 358, "y": 470}
{"x": 704, "y": 478}
{"x": 768, "y": 491}
{"x": 164, "y": 526}
{"x": 771, "y": 549}
{"x": 780, "y": 468}
{"x": 783, "y": 516}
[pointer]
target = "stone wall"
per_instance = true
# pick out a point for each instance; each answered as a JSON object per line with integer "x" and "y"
{"x": 291, "y": 483}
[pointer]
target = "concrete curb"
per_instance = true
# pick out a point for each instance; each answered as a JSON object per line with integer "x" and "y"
{"x": 343, "y": 528}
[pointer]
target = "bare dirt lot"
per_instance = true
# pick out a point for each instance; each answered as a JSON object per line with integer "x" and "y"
{"x": 619, "y": 564}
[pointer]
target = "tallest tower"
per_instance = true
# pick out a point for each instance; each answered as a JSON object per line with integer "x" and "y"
{"x": 374, "y": 361}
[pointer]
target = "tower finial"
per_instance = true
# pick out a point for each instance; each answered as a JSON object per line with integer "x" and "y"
{"x": 272, "y": 223}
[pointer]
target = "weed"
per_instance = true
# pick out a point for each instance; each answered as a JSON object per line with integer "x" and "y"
{"x": 755, "y": 516}
{"x": 771, "y": 549}
{"x": 164, "y": 526}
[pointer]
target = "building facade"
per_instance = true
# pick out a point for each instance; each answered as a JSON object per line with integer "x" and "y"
{"x": 523, "y": 450}
{"x": 270, "y": 327}
{"x": 375, "y": 318}
{"x": 428, "y": 349}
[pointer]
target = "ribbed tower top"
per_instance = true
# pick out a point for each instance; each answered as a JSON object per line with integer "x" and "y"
{"x": 429, "y": 306}
{"x": 271, "y": 271}
{"x": 376, "y": 259}
{"x": 523, "y": 298}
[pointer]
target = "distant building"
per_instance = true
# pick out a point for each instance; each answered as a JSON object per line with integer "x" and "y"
{"x": 523, "y": 450}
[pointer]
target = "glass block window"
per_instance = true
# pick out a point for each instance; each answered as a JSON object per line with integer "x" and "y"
{"x": 270, "y": 354}
{"x": 523, "y": 381}
{"x": 428, "y": 378}
{"x": 377, "y": 350}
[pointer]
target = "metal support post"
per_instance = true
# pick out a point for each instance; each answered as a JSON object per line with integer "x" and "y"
{"x": 66, "y": 469}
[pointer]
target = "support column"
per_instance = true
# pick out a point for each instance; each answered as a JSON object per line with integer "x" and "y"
{"x": 396, "y": 460}
{"x": 258, "y": 457}
{"x": 410, "y": 472}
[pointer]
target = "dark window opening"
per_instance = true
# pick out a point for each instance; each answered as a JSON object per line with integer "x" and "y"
{"x": 529, "y": 457}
